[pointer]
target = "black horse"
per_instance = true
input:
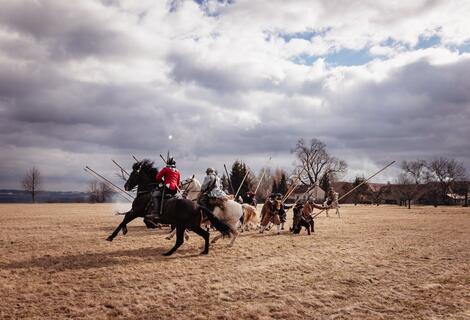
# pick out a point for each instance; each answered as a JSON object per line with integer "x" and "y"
{"x": 182, "y": 213}
{"x": 141, "y": 202}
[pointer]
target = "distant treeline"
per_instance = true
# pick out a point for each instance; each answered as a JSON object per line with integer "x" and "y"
{"x": 20, "y": 196}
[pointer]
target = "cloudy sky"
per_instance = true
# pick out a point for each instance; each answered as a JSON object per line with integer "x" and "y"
{"x": 83, "y": 82}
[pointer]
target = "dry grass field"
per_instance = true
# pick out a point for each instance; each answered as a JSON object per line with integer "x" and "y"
{"x": 373, "y": 263}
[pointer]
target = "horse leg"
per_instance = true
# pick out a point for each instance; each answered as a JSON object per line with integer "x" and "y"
{"x": 278, "y": 227}
{"x": 127, "y": 218}
{"x": 312, "y": 225}
{"x": 337, "y": 212}
{"x": 186, "y": 235}
{"x": 234, "y": 236}
{"x": 171, "y": 235}
{"x": 216, "y": 238}
{"x": 203, "y": 233}
{"x": 179, "y": 240}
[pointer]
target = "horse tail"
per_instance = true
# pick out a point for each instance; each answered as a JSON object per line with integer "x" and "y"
{"x": 249, "y": 214}
{"x": 216, "y": 222}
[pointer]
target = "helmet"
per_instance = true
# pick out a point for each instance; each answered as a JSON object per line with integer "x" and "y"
{"x": 278, "y": 196}
{"x": 210, "y": 170}
{"x": 171, "y": 162}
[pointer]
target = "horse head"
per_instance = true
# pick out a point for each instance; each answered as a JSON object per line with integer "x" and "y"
{"x": 191, "y": 188}
{"x": 142, "y": 173}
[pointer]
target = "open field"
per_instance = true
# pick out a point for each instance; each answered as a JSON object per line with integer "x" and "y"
{"x": 373, "y": 263}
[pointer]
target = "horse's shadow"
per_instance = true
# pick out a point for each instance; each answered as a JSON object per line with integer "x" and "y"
{"x": 98, "y": 260}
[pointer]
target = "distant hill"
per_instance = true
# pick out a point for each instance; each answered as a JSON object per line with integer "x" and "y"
{"x": 19, "y": 196}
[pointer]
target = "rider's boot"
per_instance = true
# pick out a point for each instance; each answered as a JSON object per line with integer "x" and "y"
{"x": 155, "y": 213}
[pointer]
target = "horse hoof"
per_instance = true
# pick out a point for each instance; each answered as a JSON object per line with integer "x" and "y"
{"x": 124, "y": 231}
{"x": 109, "y": 239}
{"x": 167, "y": 254}
{"x": 205, "y": 252}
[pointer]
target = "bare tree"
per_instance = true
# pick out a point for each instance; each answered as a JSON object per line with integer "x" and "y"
{"x": 446, "y": 172}
{"x": 410, "y": 181}
{"x": 266, "y": 184}
{"x": 99, "y": 192}
{"x": 32, "y": 182}
{"x": 406, "y": 188}
{"x": 315, "y": 162}
{"x": 416, "y": 170}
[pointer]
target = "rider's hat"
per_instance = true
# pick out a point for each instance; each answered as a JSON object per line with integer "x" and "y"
{"x": 171, "y": 162}
{"x": 210, "y": 170}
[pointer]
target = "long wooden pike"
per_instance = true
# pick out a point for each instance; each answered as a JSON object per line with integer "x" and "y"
{"x": 350, "y": 191}
{"x": 135, "y": 158}
{"x": 308, "y": 190}
{"x": 289, "y": 192}
{"x": 98, "y": 178}
{"x": 262, "y": 176}
{"x": 123, "y": 171}
{"x": 228, "y": 177}
{"x": 103, "y": 178}
{"x": 241, "y": 184}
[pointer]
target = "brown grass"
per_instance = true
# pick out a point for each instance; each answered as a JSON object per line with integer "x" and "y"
{"x": 373, "y": 263}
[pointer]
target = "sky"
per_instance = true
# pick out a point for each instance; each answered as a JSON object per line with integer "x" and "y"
{"x": 84, "y": 82}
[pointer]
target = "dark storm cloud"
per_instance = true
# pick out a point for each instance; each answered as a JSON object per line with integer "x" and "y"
{"x": 56, "y": 115}
{"x": 68, "y": 31}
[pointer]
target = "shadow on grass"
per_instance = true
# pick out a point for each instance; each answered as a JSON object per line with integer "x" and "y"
{"x": 102, "y": 259}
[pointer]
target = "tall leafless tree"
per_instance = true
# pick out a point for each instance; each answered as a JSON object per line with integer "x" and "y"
{"x": 99, "y": 192}
{"x": 266, "y": 184}
{"x": 406, "y": 188}
{"x": 315, "y": 162}
{"x": 32, "y": 182}
{"x": 446, "y": 172}
{"x": 416, "y": 170}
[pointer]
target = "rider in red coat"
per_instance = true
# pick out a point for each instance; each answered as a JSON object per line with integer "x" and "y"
{"x": 170, "y": 176}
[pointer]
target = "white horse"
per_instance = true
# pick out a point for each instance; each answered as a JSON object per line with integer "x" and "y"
{"x": 334, "y": 204}
{"x": 230, "y": 212}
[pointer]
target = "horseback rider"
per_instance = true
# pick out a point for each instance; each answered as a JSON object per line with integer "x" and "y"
{"x": 170, "y": 176}
{"x": 250, "y": 198}
{"x": 211, "y": 188}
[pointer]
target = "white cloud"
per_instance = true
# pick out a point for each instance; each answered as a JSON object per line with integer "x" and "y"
{"x": 91, "y": 80}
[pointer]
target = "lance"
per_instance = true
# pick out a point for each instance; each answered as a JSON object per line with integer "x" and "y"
{"x": 115, "y": 186}
{"x": 289, "y": 192}
{"x": 135, "y": 158}
{"x": 241, "y": 184}
{"x": 123, "y": 171}
{"x": 262, "y": 176}
{"x": 228, "y": 177}
{"x": 350, "y": 191}
{"x": 96, "y": 177}
{"x": 165, "y": 161}
{"x": 308, "y": 190}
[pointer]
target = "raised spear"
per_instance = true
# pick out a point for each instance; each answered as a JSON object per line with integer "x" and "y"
{"x": 349, "y": 192}
{"x": 228, "y": 177}
{"x": 115, "y": 186}
{"x": 123, "y": 171}
{"x": 98, "y": 178}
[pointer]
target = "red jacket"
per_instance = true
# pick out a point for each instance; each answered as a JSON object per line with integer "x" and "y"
{"x": 172, "y": 177}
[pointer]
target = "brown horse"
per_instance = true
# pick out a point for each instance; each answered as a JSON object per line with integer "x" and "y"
{"x": 270, "y": 213}
{"x": 303, "y": 217}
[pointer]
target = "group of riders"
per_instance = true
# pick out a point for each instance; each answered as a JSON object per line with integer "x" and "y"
{"x": 168, "y": 181}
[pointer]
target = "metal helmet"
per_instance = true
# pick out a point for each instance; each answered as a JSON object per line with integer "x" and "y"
{"x": 210, "y": 170}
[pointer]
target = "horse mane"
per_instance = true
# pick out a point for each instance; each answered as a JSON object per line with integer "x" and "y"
{"x": 147, "y": 166}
